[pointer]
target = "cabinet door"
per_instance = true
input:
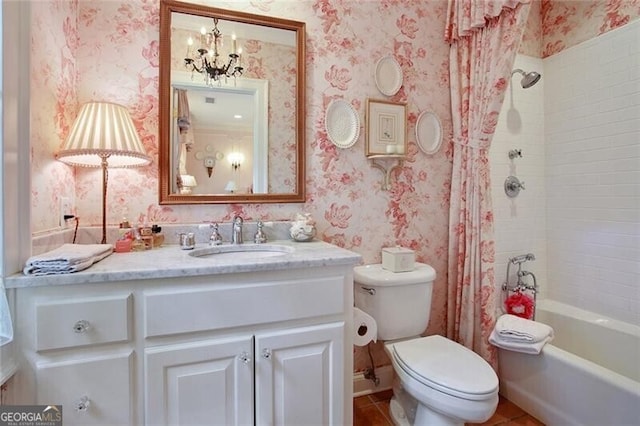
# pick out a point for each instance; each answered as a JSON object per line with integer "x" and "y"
{"x": 299, "y": 376}
{"x": 95, "y": 391}
{"x": 201, "y": 383}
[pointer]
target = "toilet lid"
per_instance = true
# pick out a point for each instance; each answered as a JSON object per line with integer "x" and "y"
{"x": 447, "y": 366}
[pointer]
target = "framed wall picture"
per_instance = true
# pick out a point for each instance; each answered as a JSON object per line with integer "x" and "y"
{"x": 386, "y": 128}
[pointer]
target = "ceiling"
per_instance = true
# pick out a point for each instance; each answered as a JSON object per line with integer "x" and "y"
{"x": 241, "y": 30}
{"x": 217, "y": 107}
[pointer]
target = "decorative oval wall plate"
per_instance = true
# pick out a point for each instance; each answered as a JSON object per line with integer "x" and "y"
{"x": 342, "y": 123}
{"x": 388, "y": 75}
{"x": 428, "y": 132}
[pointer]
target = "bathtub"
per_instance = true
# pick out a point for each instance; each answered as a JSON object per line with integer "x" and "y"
{"x": 588, "y": 375}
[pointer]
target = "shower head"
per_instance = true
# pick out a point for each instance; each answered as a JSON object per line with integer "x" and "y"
{"x": 528, "y": 78}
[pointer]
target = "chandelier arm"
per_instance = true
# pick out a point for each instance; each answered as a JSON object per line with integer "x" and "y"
{"x": 213, "y": 71}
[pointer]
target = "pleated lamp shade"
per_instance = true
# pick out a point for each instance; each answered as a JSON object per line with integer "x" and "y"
{"x": 103, "y": 135}
{"x": 103, "y": 129}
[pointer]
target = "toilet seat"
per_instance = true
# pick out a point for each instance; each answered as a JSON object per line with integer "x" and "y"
{"x": 446, "y": 366}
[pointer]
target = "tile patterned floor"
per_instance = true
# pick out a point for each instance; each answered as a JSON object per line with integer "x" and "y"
{"x": 373, "y": 410}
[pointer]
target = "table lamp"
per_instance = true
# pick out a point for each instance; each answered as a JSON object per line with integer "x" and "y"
{"x": 103, "y": 135}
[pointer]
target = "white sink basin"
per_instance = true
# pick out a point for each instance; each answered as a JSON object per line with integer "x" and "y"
{"x": 242, "y": 251}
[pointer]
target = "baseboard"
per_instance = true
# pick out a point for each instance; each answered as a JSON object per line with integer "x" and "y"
{"x": 362, "y": 386}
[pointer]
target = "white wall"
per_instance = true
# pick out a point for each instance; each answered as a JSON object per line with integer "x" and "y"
{"x": 520, "y": 222}
{"x": 592, "y": 132}
{"x": 579, "y": 131}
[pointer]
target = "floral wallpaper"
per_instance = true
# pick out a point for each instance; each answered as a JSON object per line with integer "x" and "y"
{"x": 109, "y": 50}
{"x": 555, "y": 25}
{"x": 531, "y": 43}
{"x": 567, "y": 23}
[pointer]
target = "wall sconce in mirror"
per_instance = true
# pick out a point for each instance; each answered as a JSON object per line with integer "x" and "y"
{"x": 236, "y": 159}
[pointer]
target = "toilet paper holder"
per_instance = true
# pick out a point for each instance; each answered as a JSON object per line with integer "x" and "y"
{"x": 362, "y": 329}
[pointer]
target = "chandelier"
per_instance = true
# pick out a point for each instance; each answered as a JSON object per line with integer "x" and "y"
{"x": 206, "y": 60}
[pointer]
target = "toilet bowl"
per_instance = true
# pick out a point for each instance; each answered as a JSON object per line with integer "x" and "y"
{"x": 451, "y": 384}
{"x": 440, "y": 381}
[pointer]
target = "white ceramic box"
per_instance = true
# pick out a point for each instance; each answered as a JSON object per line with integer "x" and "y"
{"x": 398, "y": 259}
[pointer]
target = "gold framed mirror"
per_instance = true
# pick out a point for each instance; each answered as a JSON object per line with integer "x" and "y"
{"x": 234, "y": 133}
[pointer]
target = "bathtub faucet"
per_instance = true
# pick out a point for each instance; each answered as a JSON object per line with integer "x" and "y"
{"x": 521, "y": 284}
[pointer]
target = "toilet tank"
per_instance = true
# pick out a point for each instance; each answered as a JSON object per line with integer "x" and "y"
{"x": 400, "y": 302}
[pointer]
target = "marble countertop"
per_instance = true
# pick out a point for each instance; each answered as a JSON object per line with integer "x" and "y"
{"x": 170, "y": 261}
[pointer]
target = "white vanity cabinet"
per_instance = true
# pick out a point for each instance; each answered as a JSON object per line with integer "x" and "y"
{"x": 200, "y": 383}
{"x": 93, "y": 390}
{"x": 297, "y": 374}
{"x": 80, "y": 352}
{"x": 251, "y": 348}
{"x": 289, "y": 343}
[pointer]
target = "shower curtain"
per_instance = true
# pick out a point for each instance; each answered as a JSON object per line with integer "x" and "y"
{"x": 484, "y": 36}
{"x": 185, "y": 138}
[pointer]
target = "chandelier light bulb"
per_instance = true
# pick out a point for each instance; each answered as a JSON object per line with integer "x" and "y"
{"x": 189, "y": 46}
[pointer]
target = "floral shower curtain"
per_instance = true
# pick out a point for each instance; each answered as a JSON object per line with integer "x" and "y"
{"x": 484, "y": 37}
{"x": 185, "y": 138}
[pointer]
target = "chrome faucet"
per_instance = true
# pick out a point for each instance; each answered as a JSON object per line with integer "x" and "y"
{"x": 260, "y": 237}
{"x": 215, "y": 239}
{"x": 522, "y": 285}
{"x": 236, "y": 230}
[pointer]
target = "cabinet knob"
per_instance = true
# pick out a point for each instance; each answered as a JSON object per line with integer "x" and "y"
{"x": 266, "y": 353}
{"x": 81, "y": 326}
{"x": 244, "y": 357}
{"x": 82, "y": 405}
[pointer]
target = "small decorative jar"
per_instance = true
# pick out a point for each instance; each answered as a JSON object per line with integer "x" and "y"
{"x": 303, "y": 228}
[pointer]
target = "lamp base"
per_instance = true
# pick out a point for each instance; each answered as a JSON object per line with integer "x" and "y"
{"x": 105, "y": 177}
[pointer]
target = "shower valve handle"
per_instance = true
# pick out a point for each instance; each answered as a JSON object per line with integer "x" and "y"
{"x": 512, "y": 186}
{"x": 515, "y": 153}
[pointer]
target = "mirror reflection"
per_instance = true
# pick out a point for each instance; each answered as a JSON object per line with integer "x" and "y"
{"x": 219, "y": 138}
{"x": 232, "y": 118}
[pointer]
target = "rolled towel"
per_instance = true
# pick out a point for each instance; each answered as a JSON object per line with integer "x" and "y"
{"x": 532, "y": 348}
{"x": 513, "y": 328}
{"x": 66, "y": 259}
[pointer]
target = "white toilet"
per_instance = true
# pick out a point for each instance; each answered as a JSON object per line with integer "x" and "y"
{"x": 441, "y": 381}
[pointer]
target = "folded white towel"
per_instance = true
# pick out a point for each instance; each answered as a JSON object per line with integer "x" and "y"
{"x": 66, "y": 259}
{"x": 533, "y": 348}
{"x": 513, "y": 328}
